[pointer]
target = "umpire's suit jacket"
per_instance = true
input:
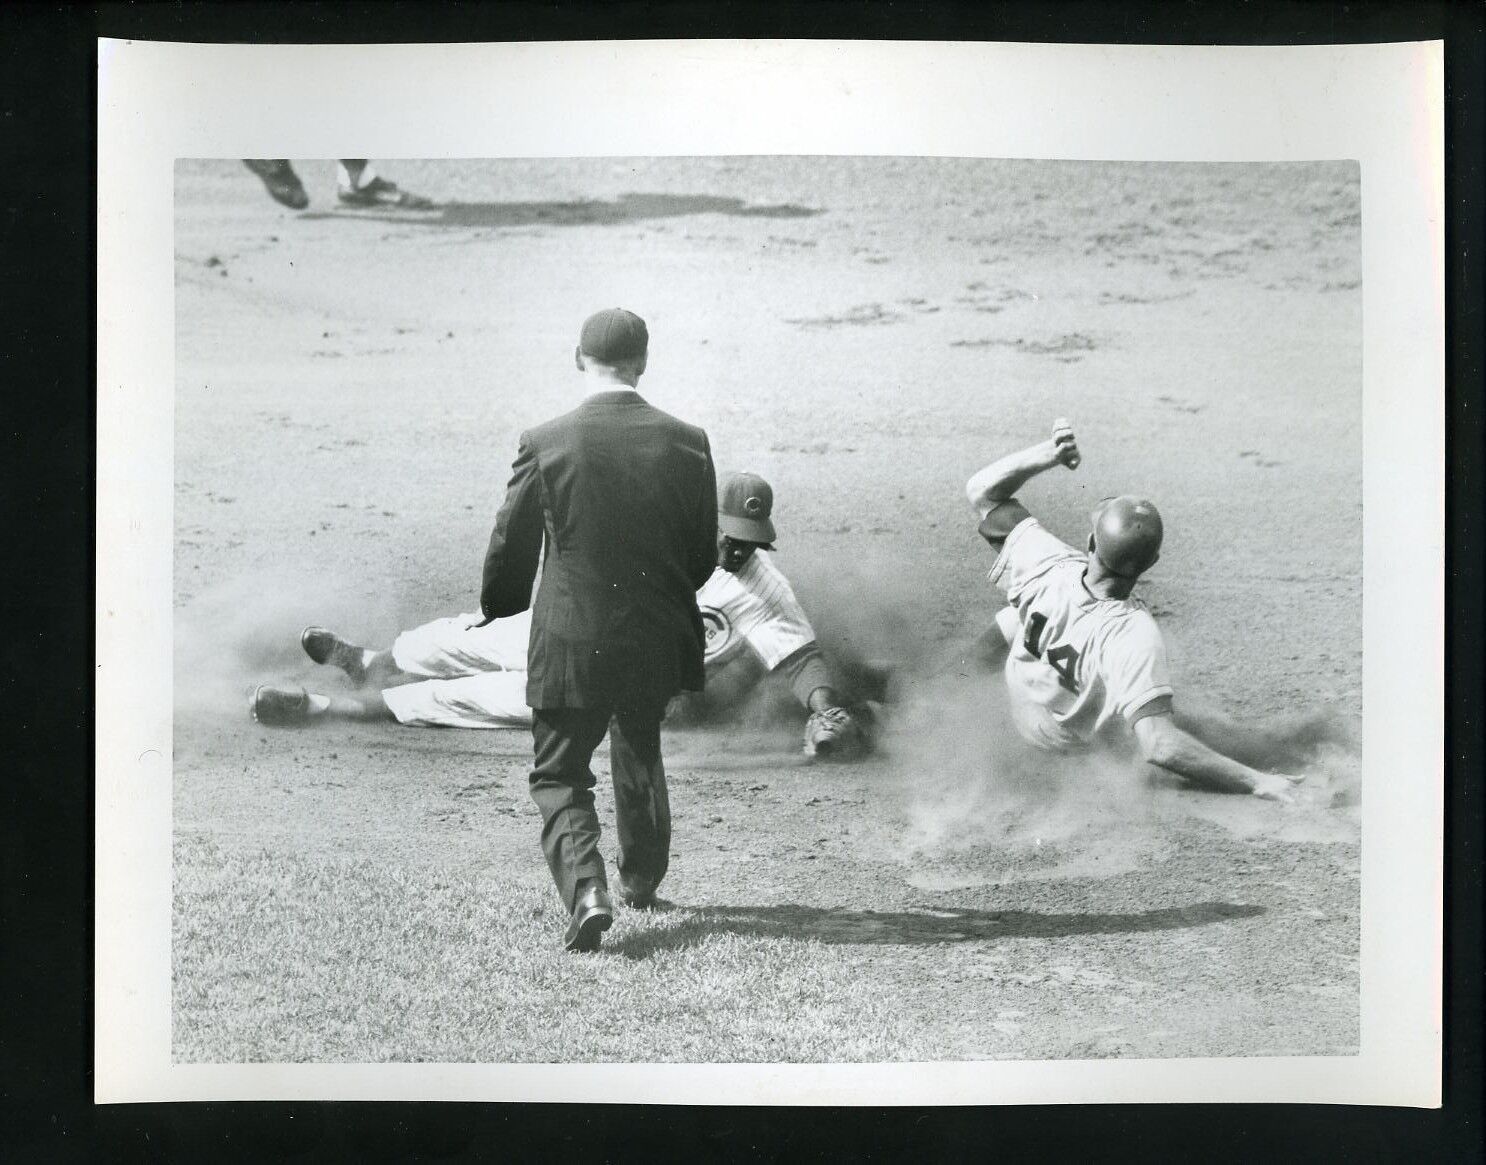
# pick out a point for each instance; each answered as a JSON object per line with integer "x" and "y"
{"x": 625, "y": 497}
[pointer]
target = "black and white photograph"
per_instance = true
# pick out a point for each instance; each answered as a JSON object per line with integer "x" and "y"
{"x": 957, "y": 784}
{"x": 765, "y": 608}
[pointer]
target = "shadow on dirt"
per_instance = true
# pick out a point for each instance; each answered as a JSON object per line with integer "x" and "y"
{"x": 624, "y": 209}
{"x": 922, "y": 927}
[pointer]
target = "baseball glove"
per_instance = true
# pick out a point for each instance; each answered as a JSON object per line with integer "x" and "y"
{"x": 836, "y": 734}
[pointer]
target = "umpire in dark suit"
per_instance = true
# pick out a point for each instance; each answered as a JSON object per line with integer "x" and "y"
{"x": 624, "y": 497}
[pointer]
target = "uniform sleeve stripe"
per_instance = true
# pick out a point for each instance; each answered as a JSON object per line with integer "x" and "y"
{"x": 1156, "y": 693}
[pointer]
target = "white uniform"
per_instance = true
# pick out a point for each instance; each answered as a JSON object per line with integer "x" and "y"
{"x": 754, "y": 610}
{"x": 477, "y": 675}
{"x": 452, "y": 647}
{"x": 1078, "y": 664}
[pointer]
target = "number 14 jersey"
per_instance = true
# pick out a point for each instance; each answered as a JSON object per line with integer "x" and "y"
{"x": 1077, "y": 662}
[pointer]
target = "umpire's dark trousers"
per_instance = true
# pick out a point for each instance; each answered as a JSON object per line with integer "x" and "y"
{"x": 562, "y": 786}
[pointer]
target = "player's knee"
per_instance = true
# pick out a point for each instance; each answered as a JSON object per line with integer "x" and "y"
{"x": 382, "y": 672}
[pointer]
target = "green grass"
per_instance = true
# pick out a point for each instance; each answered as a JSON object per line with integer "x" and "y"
{"x": 324, "y": 959}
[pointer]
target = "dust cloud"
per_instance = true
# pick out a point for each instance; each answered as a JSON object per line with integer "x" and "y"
{"x": 970, "y": 783}
{"x": 969, "y": 788}
{"x": 243, "y": 632}
{"x": 972, "y": 788}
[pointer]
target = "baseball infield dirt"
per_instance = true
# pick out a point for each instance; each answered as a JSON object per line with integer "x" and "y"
{"x": 865, "y": 333}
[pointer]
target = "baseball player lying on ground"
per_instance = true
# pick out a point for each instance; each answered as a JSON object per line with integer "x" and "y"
{"x": 452, "y": 673}
{"x": 1084, "y": 659}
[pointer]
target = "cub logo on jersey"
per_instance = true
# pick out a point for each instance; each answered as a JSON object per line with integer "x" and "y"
{"x": 718, "y": 633}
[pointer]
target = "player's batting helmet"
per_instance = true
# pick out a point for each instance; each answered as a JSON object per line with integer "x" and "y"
{"x": 744, "y": 504}
{"x": 1127, "y": 536}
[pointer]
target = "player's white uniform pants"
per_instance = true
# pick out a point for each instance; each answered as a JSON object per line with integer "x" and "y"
{"x": 476, "y": 675}
{"x": 1037, "y": 725}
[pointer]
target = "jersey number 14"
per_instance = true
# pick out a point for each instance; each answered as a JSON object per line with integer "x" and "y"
{"x": 1063, "y": 659}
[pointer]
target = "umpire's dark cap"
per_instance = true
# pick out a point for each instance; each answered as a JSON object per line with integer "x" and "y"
{"x": 613, "y": 336}
{"x": 743, "y": 507}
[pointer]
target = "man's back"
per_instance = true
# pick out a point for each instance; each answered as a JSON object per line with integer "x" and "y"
{"x": 625, "y": 495}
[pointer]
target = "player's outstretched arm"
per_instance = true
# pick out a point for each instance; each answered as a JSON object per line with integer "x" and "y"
{"x": 1001, "y": 479}
{"x": 1165, "y": 745}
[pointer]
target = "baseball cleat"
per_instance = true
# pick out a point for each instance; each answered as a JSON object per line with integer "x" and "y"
{"x": 280, "y": 180}
{"x": 278, "y": 707}
{"x": 324, "y": 646}
{"x": 380, "y": 192}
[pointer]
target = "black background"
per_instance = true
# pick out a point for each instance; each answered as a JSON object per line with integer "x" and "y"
{"x": 48, "y": 95}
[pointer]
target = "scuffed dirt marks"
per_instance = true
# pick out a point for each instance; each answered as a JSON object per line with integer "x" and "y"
{"x": 866, "y": 314}
{"x": 1068, "y": 348}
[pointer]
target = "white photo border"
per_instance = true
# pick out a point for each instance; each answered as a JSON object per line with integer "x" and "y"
{"x": 1380, "y": 105}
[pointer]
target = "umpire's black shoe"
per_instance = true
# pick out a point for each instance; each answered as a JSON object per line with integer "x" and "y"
{"x": 636, "y": 892}
{"x": 593, "y": 915}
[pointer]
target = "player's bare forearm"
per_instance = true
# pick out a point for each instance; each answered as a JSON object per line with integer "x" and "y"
{"x": 1212, "y": 770}
{"x": 1165, "y": 745}
{"x": 1000, "y": 480}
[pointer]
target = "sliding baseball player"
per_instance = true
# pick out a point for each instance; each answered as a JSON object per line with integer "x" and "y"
{"x": 453, "y": 673}
{"x": 1086, "y": 659}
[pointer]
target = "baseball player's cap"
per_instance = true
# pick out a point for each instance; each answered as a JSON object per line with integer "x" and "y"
{"x": 613, "y": 336}
{"x": 1127, "y": 535}
{"x": 743, "y": 507}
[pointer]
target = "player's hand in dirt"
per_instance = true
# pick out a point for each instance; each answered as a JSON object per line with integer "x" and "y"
{"x": 836, "y": 734}
{"x": 1065, "y": 445}
{"x": 1276, "y": 787}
